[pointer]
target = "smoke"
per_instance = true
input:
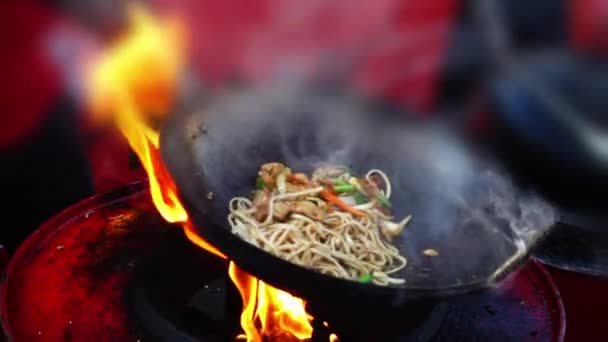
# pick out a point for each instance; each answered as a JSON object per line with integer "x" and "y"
{"x": 268, "y": 40}
{"x": 73, "y": 50}
{"x": 380, "y": 46}
{"x": 463, "y": 204}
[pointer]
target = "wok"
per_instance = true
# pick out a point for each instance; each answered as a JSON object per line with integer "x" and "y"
{"x": 213, "y": 151}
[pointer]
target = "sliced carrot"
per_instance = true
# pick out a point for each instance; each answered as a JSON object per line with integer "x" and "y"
{"x": 291, "y": 178}
{"x": 335, "y": 200}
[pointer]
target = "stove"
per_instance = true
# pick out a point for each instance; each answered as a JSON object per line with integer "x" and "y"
{"x": 111, "y": 269}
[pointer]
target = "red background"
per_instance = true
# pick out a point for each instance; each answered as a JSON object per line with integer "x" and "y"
{"x": 29, "y": 84}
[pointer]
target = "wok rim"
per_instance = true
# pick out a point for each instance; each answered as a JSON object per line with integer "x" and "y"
{"x": 174, "y": 137}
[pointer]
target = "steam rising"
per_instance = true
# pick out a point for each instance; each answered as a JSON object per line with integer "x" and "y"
{"x": 463, "y": 204}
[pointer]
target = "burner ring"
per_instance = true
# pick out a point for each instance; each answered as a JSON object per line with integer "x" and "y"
{"x": 70, "y": 280}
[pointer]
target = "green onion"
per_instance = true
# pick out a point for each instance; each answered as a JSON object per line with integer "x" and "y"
{"x": 260, "y": 184}
{"x": 365, "y": 278}
{"x": 383, "y": 200}
{"x": 360, "y": 198}
{"x": 342, "y": 182}
{"x": 344, "y": 188}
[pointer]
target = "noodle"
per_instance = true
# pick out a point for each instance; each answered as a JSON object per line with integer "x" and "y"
{"x": 340, "y": 244}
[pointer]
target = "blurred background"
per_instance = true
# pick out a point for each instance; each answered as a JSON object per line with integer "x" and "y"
{"x": 526, "y": 80}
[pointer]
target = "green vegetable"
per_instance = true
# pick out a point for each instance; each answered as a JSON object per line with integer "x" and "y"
{"x": 383, "y": 200}
{"x": 365, "y": 278}
{"x": 344, "y": 188}
{"x": 360, "y": 198}
{"x": 342, "y": 182}
{"x": 260, "y": 184}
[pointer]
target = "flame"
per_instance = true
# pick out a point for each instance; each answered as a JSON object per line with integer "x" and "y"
{"x": 133, "y": 79}
{"x": 268, "y": 311}
{"x": 135, "y": 82}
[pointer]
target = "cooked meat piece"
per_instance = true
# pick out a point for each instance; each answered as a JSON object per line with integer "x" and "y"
{"x": 273, "y": 169}
{"x": 309, "y": 209}
{"x": 298, "y": 179}
{"x": 281, "y": 211}
{"x": 261, "y": 214}
{"x": 261, "y": 200}
{"x": 328, "y": 173}
{"x": 298, "y": 182}
{"x": 269, "y": 172}
{"x": 369, "y": 189}
{"x": 377, "y": 180}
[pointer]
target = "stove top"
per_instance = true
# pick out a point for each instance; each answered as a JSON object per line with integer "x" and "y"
{"x": 110, "y": 269}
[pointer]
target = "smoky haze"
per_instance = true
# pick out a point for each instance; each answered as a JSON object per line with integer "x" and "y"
{"x": 463, "y": 204}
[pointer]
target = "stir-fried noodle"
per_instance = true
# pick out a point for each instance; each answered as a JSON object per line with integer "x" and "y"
{"x": 333, "y": 223}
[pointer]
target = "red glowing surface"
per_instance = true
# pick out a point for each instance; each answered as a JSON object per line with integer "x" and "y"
{"x": 65, "y": 283}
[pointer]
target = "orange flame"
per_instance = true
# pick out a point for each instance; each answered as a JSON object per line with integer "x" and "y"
{"x": 269, "y": 311}
{"x": 133, "y": 79}
{"x": 136, "y": 81}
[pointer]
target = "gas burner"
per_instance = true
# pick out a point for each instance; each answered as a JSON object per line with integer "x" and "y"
{"x": 110, "y": 269}
{"x": 525, "y": 307}
{"x": 180, "y": 293}
{"x": 169, "y": 301}
{"x": 205, "y": 306}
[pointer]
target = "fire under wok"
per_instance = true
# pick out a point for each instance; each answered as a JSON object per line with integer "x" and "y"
{"x": 462, "y": 206}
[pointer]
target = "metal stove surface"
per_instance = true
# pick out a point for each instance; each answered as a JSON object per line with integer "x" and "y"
{"x": 110, "y": 269}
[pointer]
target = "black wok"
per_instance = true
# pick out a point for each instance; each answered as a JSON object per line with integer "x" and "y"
{"x": 213, "y": 152}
